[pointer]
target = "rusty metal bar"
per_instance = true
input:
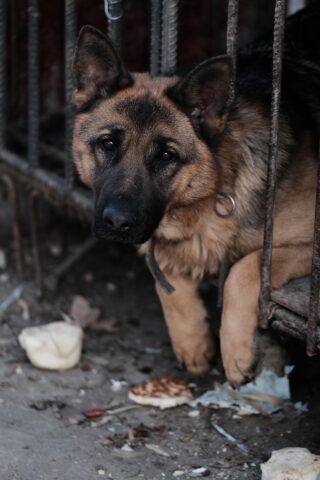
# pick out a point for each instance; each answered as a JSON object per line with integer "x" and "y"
{"x": 278, "y": 41}
{"x": 60, "y": 270}
{"x": 169, "y": 36}
{"x": 45, "y": 150}
{"x": 315, "y": 278}
{"x": 51, "y": 186}
{"x": 16, "y": 230}
{"x": 14, "y": 55}
{"x": 155, "y": 37}
{"x": 33, "y": 83}
{"x": 232, "y": 38}
{"x": 292, "y": 324}
{"x": 69, "y": 44}
{"x": 33, "y": 204}
{"x": 3, "y": 70}
{"x": 114, "y": 13}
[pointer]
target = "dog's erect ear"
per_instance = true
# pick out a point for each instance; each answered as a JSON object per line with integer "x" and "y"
{"x": 97, "y": 68}
{"x": 204, "y": 93}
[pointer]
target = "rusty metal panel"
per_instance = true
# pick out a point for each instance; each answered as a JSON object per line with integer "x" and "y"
{"x": 295, "y": 297}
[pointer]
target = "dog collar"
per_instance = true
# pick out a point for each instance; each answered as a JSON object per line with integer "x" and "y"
{"x": 155, "y": 269}
{"x": 225, "y": 205}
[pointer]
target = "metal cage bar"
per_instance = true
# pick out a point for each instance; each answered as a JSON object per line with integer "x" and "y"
{"x": 14, "y": 54}
{"x": 232, "y": 38}
{"x": 114, "y": 12}
{"x": 169, "y": 36}
{"x": 70, "y": 40}
{"x": 155, "y": 37}
{"x": 3, "y": 70}
{"x": 163, "y": 58}
{"x": 278, "y": 42}
{"x": 315, "y": 278}
{"x": 33, "y": 83}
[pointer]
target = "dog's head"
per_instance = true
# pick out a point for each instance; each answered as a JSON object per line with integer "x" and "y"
{"x": 142, "y": 143}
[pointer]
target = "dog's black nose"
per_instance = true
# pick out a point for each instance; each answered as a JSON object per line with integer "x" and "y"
{"x": 117, "y": 217}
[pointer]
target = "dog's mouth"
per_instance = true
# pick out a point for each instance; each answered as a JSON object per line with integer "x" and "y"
{"x": 124, "y": 225}
{"x": 129, "y": 237}
{"x": 127, "y": 219}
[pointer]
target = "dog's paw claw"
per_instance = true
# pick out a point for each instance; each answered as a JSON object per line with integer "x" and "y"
{"x": 239, "y": 367}
{"x": 198, "y": 360}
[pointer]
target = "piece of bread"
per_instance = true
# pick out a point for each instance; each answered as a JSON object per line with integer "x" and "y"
{"x": 167, "y": 392}
{"x": 54, "y": 346}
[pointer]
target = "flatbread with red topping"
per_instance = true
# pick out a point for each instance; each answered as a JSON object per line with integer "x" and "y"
{"x": 167, "y": 392}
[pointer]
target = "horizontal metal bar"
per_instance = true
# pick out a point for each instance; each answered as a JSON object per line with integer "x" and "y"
{"x": 49, "y": 184}
{"x": 53, "y": 279}
{"x": 292, "y": 324}
{"x": 45, "y": 150}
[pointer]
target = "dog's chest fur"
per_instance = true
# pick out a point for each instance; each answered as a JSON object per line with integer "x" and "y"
{"x": 194, "y": 240}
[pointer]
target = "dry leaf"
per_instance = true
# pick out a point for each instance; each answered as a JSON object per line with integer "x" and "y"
{"x": 106, "y": 326}
{"x": 82, "y": 313}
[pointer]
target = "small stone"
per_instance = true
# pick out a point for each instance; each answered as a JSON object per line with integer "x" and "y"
{"x": 55, "y": 249}
{"x": 117, "y": 385}
{"x": 126, "y": 448}
{"x": 72, "y": 421}
{"x": 131, "y": 275}
{"x": 199, "y": 472}
{"x": 291, "y": 463}
{"x": 194, "y": 413}
{"x": 111, "y": 287}
{"x": 4, "y": 277}
{"x": 3, "y": 260}
{"x": 88, "y": 277}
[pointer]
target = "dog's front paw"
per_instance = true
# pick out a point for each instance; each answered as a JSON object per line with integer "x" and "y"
{"x": 239, "y": 359}
{"x": 196, "y": 353}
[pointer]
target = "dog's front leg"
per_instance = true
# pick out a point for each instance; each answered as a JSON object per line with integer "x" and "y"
{"x": 240, "y": 304}
{"x": 189, "y": 330}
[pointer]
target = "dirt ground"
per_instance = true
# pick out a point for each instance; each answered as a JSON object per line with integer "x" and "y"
{"x": 44, "y": 434}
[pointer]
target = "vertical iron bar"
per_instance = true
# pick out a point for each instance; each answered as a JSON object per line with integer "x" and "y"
{"x": 3, "y": 70}
{"x": 278, "y": 41}
{"x": 14, "y": 56}
{"x": 33, "y": 203}
{"x": 169, "y": 36}
{"x": 69, "y": 44}
{"x": 232, "y": 38}
{"x": 315, "y": 278}
{"x": 33, "y": 83}
{"x": 16, "y": 224}
{"x": 114, "y": 12}
{"x": 155, "y": 33}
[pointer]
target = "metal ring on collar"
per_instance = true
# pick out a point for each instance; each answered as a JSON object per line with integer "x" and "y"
{"x": 107, "y": 10}
{"x": 232, "y": 204}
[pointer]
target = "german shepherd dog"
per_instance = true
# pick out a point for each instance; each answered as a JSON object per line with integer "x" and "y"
{"x": 173, "y": 160}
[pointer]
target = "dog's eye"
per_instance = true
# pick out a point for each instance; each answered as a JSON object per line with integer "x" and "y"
{"x": 108, "y": 144}
{"x": 168, "y": 155}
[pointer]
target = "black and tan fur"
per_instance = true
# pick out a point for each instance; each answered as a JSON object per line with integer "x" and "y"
{"x": 157, "y": 151}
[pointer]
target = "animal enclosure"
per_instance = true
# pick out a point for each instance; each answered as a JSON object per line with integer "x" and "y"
{"x": 36, "y": 116}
